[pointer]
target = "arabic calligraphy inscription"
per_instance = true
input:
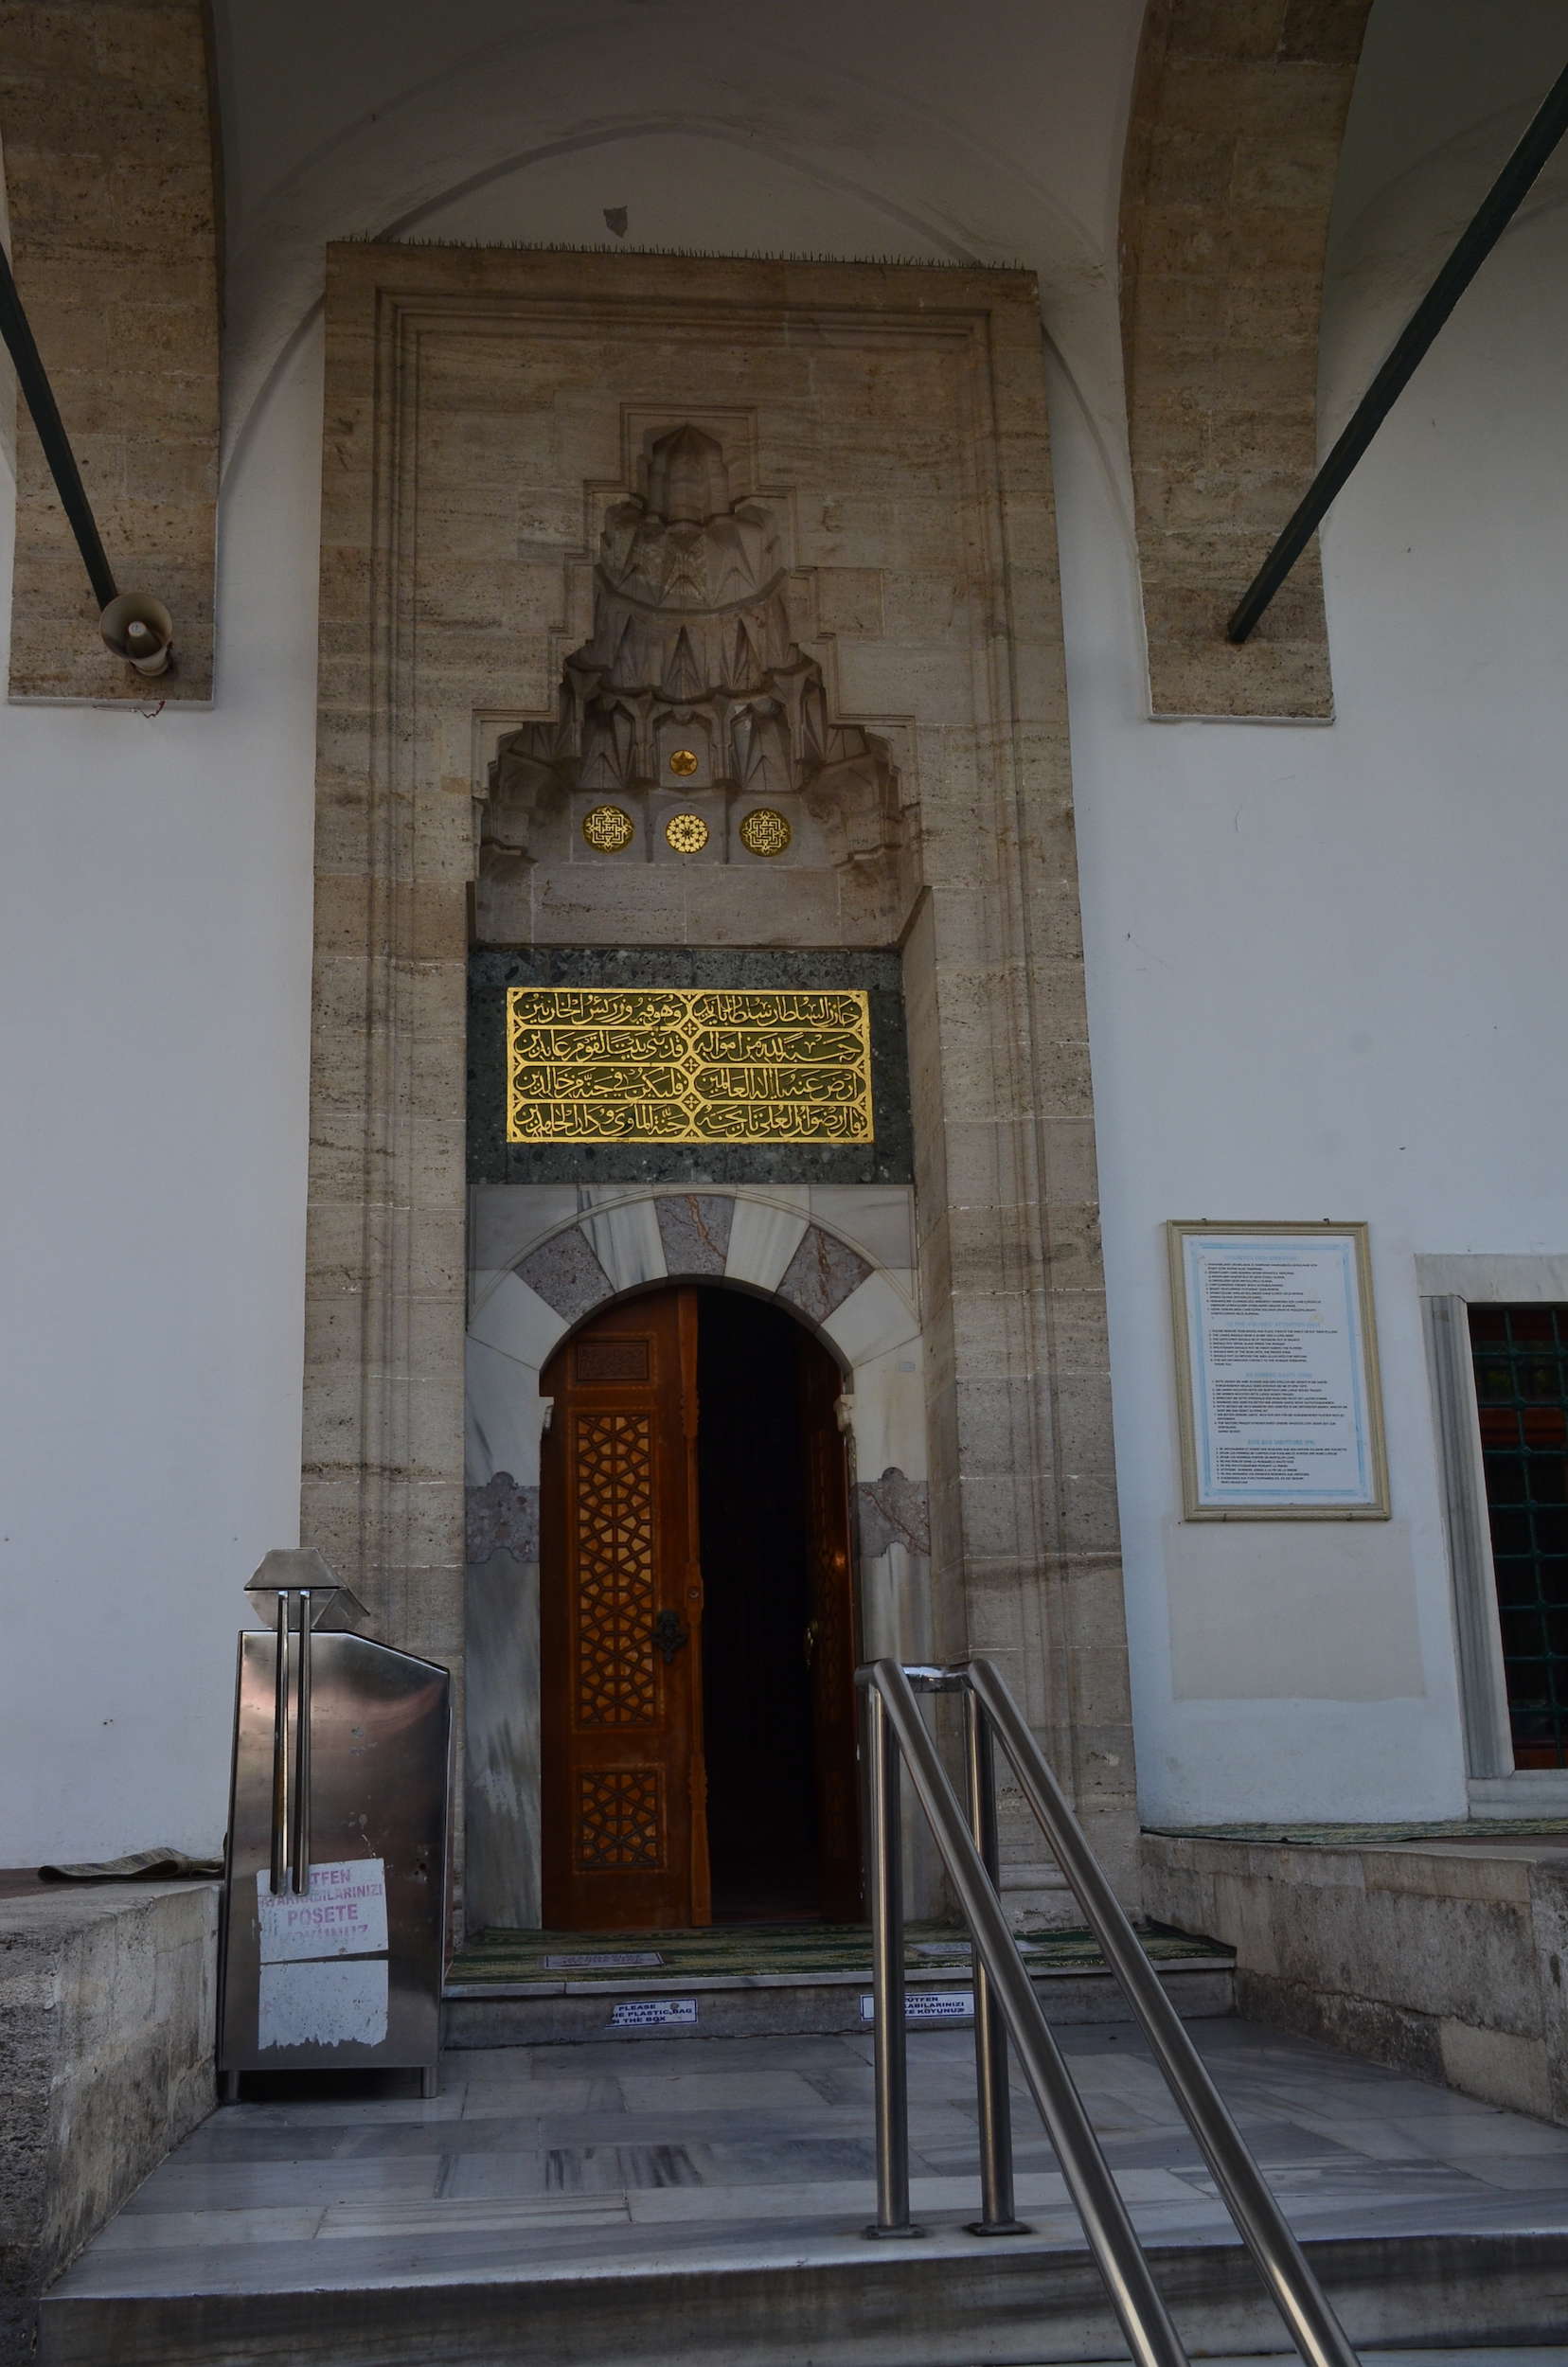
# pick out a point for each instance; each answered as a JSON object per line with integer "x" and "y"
{"x": 685, "y": 1064}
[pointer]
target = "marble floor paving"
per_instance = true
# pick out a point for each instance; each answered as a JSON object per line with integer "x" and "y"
{"x": 609, "y": 2157}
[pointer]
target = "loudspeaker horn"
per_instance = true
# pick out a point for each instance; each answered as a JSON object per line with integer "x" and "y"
{"x": 140, "y": 630}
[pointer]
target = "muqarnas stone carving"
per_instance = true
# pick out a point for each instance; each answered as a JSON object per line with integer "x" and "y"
{"x": 692, "y": 696}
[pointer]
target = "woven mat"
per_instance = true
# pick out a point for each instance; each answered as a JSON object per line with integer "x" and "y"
{"x": 778, "y": 1948}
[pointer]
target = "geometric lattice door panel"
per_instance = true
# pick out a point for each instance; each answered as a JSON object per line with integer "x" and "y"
{"x": 609, "y": 1474}
{"x": 625, "y": 1838}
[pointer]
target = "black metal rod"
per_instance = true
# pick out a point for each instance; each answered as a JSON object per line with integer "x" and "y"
{"x": 39, "y": 395}
{"x": 1497, "y": 210}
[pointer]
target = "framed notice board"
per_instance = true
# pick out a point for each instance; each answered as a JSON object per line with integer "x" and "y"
{"x": 1276, "y": 1372}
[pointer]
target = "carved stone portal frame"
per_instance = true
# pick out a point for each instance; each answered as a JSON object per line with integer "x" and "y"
{"x": 470, "y": 397}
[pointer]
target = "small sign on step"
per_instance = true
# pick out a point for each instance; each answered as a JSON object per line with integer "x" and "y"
{"x": 606, "y": 1960}
{"x": 928, "y": 2005}
{"x": 652, "y": 2013}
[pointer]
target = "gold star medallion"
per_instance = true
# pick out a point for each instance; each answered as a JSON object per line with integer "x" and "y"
{"x": 683, "y": 761}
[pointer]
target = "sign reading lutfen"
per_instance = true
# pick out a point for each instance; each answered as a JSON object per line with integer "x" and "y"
{"x": 1277, "y": 1370}
{"x": 342, "y": 1913}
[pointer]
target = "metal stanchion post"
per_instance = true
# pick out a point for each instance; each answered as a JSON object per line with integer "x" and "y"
{"x": 882, "y": 1824}
{"x": 302, "y": 1754}
{"x": 997, "y": 2216}
{"x": 280, "y": 1753}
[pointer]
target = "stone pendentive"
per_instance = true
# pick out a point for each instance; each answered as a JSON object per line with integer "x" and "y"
{"x": 1232, "y": 157}
{"x": 105, "y": 116}
{"x": 691, "y": 729}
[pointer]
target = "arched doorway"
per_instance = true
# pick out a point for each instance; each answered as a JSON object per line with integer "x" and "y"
{"x": 697, "y": 1620}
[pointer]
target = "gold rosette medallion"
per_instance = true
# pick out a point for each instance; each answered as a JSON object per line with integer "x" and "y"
{"x": 686, "y": 832}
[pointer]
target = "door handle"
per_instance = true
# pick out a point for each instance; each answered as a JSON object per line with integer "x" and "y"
{"x": 814, "y": 1628}
{"x": 670, "y": 1635}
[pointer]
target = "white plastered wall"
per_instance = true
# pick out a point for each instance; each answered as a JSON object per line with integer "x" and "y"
{"x": 1325, "y": 965}
{"x": 154, "y": 949}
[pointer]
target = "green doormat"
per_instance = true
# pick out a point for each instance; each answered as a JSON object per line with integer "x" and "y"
{"x": 780, "y": 1950}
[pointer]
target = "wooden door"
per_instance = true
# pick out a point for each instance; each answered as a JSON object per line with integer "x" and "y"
{"x": 625, "y": 1824}
{"x": 832, "y": 1643}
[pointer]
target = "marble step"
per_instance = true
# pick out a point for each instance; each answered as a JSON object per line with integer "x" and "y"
{"x": 661, "y": 2003}
{"x": 821, "y": 2300}
{"x": 705, "y": 2203}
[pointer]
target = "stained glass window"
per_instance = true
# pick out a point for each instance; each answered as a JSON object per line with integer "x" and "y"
{"x": 1521, "y": 1391}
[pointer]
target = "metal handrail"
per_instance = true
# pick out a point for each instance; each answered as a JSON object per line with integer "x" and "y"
{"x": 291, "y": 1800}
{"x": 1006, "y": 2006}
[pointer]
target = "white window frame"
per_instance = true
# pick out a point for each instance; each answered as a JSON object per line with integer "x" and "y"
{"x": 1448, "y": 1288}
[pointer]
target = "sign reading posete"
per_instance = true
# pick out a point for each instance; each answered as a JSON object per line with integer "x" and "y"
{"x": 688, "y": 1064}
{"x": 342, "y": 1913}
{"x": 1277, "y": 1370}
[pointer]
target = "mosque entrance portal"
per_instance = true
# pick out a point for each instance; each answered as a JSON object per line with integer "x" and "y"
{"x": 697, "y": 1621}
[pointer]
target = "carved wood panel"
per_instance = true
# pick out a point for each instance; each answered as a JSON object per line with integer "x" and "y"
{"x": 613, "y": 1481}
{"x": 620, "y": 1819}
{"x": 625, "y": 1836}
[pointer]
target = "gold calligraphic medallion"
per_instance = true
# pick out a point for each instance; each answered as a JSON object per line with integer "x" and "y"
{"x": 683, "y": 761}
{"x": 608, "y": 829}
{"x": 686, "y": 832}
{"x": 688, "y": 1064}
{"x": 765, "y": 831}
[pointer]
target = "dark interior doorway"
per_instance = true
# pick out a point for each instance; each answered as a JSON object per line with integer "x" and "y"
{"x": 756, "y": 1519}
{"x": 697, "y": 1621}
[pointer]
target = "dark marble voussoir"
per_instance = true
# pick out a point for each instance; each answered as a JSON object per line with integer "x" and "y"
{"x": 695, "y": 1230}
{"x": 567, "y": 1274}
{"x": 822, "y": 1274}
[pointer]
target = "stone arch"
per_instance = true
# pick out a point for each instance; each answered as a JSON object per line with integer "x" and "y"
{"x": 115, "y": 237}
{"x": 1232, "y": 155}
{"x": 554, "y": 1256}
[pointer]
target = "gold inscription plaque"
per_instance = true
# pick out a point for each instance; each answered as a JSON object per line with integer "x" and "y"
{"x": 688, "y": 1064}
